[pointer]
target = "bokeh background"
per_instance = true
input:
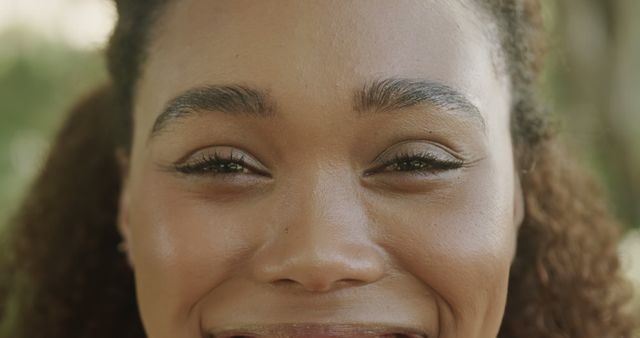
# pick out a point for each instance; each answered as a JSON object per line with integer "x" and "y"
{"x": 51, "y": 52}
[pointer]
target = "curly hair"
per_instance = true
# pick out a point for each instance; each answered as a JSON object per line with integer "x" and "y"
{"x": 61, "y": 275}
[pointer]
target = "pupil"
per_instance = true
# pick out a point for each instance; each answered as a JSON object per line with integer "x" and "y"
{"x": 411, "y": 165}
{"x": 229, "y": 167}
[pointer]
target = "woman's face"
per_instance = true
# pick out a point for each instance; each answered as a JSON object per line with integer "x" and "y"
{"x": 321, "y": 169}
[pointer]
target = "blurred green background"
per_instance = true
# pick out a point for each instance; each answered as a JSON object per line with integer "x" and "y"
{"x": 51, "y": 52}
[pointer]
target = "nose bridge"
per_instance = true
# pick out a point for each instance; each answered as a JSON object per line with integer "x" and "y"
{"x": 330, "y": 201}
{"x": 323, "y": 239}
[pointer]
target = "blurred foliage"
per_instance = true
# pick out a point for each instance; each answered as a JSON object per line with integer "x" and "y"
{"x": 593, "y": 86}
{"x": 39, "y": 79}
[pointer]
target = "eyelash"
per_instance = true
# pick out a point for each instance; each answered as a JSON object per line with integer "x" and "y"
{"x": 421, "y": 162}
{"x": 212, "y": 164}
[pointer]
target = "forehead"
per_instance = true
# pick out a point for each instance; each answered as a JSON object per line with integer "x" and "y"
{"x": 324, "y": 48}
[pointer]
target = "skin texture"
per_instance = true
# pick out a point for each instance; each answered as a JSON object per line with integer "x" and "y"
{"x": 305, "y": 235}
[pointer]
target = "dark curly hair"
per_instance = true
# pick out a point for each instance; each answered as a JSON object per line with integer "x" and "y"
{"x": 61, "y": 275}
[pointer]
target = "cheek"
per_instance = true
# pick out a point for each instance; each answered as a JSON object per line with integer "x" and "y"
{"x": 459, "y": 242}
{"x": 183, "y": 246}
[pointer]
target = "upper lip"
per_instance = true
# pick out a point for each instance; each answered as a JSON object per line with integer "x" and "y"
{"x": 313, "y": 330}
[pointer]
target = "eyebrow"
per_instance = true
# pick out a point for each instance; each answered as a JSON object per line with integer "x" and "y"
{"x": 393, "y": 94}
{"x": 236, "y": 100}
{"x": 377, "y": 96}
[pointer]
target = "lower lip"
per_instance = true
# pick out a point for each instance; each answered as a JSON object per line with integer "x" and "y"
{"x": 332, "y": 336}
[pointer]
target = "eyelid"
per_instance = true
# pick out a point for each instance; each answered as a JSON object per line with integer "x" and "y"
{"x": 225, "y": 152}
{"x": 418, "y": 146}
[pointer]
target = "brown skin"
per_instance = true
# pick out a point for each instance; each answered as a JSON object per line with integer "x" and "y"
{"x": 61, "y": 274}
{"x": 309, "y": 238}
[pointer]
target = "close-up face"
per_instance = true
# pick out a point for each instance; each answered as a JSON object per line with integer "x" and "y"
{"x": 321, "y": 169}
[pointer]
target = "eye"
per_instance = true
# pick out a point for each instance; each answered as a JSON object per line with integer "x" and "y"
{"x": 216, "y": 164}
{"x": 425, "y": 163}
{"x": 416, "y": 157}
{"x": 420, "y": 162}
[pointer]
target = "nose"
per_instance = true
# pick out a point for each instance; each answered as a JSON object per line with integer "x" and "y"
{"x": 322, "y": 241}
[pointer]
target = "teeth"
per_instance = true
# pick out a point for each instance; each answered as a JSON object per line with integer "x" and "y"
{"x": 395, "y": 335}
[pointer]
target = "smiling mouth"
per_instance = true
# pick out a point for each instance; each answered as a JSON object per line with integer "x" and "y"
{"x": 396, "y": 335}
{"x": 317, "y": 331}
